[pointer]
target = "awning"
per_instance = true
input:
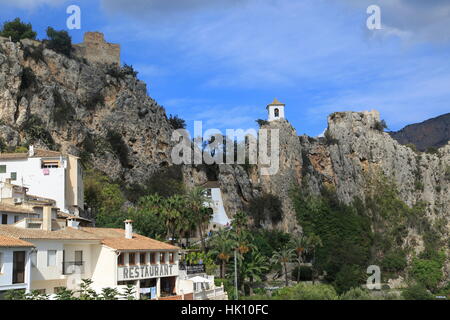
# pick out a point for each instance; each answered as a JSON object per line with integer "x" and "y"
{"x": 198, "y": 279}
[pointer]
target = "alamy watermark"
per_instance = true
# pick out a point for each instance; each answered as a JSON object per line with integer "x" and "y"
{"x": 374, "y": 280}
{"x": 237, "y": 146}
{"x": 374, "y": 20}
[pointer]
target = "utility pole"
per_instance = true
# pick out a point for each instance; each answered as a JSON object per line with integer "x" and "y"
{"x": 235, "y": 275}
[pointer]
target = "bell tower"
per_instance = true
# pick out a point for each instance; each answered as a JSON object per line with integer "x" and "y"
{"x": 275, "y": 110}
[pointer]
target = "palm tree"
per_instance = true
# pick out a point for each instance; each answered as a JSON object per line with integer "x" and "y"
{"x": 299, "y": 245}
{"x": 314, "y": 241}
{"x": 196, "y": 201}
{"x": 171, "y": 210}
{"x": 222, "y": 246}
{"x": 282, "y": 257}
{"x": 253, "y": 269}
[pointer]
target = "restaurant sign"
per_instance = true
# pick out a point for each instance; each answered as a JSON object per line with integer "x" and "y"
{"x": 146, "y": 272}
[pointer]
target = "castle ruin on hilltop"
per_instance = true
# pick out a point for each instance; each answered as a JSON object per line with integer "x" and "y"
{"x": 95, "y": 49}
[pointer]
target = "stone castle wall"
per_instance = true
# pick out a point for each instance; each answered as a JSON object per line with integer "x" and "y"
{"x": 95, "y": 49}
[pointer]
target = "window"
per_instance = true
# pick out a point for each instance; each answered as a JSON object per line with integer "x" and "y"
{"x": 152, "y": 258}
{"x": 277, "y": 113}
{"x": 131, "y": 258}
{"x": 142, "y": 258}
{"x": 18, "y": 267}
{"x": 3, "y": 168}
{"x": 171, "y": 257}
{"x": 51, "y": 258}
{"x": 1, "y": 262}
{"x": 13, "y": 176}
{"x": 4, "y": 219}
{"x": 50, "y": 164}
{"x": 120, "y": 259}
{"x": 16, "y": 219}
{"x": 162, "y": 257}
{"x": 78, "y": 258}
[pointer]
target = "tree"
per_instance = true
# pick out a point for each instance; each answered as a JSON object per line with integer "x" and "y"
{"x": 282, "y": 257}
{"x": 59, "y": 41}
{"x": 222, "y": 247}
{"x": 171, "y": 211}
{"x": 313, "y": 242}
{"x": 17, "y": 30}
{"x": 65, "y": 294}
{"x": 196, "y": 201}
{"x": 252, "y": 268}
{"x": 85, "y": 291}
{"x": 109, "y": 294}
{"x": 299, "y": 244}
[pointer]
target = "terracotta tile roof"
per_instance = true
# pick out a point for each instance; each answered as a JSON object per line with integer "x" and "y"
{"x": 62, "y": 234}
{"x": 14, "y": 209}
{"x": 211, "y": 185}
{"x": 115, "y": 238}
{"x": 38, "y": 153}
{"x": 13, "y": 242}
{"x": 13, "y": 156}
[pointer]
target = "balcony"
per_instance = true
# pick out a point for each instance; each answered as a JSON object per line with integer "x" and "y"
{"x": 73, "y": 267}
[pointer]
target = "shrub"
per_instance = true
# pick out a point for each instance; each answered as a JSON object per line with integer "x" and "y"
{"x": 304, "y": 291}
{"x": 35, "y": 53}
{"x": 128, "y": 70}
{"x": 356, "y": 294}
{"x": 417, "y": 292}
{"x": 176, "y": 122}
{"x": 380, "y": 125}
{"x": 118, "y": 146}
{"x": 427, "y": 272}
{"x": 432, "y": 150}
{"x": 412, "y": 147}
{"x": 348, "y": 277}
{"x": 262, "y": 122}
{"x": 94, "y": 100}
{"x": 36, "y": 130}
{"x": 59, "y": 41}
{"x": 17, "y": 30}
{"x": 28, "y": 79}
{"x": 394, "y": 261}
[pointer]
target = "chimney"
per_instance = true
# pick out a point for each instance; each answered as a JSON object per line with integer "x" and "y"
{"x": 71, "y": 222}
{"x": 128, "y": 229}
{"x": 47, "y": 218}
{"x": 31, "y": 151}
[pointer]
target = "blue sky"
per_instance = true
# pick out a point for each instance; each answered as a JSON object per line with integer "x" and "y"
{"x": 223, "y": 61}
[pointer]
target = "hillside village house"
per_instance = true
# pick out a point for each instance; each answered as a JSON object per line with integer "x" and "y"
{"x": 46, "y": 174}
{"x": 15, "y": 265}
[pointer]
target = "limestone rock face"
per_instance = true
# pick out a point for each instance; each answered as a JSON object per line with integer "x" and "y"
{"x": 86, "y": 108}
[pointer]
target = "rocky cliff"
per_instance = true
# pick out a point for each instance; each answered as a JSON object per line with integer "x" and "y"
{"x": 102, "y": 113}
{"x": 99, "y": 112}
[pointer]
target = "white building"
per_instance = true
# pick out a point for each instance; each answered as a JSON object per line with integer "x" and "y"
{"x": 113, "y": 258}
{"x": 220, "y": 217}
{"x": 46, "y": 174}
{"x": 275, "y": 110}
{"x": 15, "y": 266}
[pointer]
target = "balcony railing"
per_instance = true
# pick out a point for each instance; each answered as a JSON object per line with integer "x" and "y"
{"x": 73, "y": 267}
